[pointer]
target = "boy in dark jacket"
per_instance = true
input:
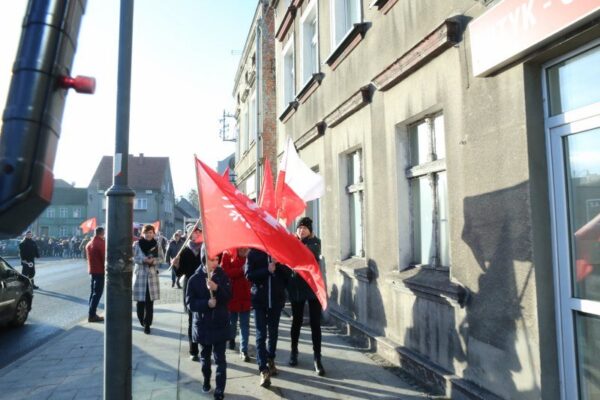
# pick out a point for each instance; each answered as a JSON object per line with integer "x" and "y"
{"x": 268, "y": 298}
{"x": 207, "y": 295}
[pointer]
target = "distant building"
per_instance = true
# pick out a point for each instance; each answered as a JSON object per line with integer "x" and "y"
{"x": 227, "y": 162}
{"x": 150, "y": 178}
{"x": 65, "y": 213}
{"x": 184, "y": 213}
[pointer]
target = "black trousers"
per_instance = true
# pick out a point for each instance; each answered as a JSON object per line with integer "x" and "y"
{"x": 193, "y": 346}
{"x": 145, "y": 309}
{"x": 314, "y": 312}
{"x": 218, "y": 352}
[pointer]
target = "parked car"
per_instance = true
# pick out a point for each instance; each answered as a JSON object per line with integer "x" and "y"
{"x": 16, "y": 295}
{"x": 9, "y": 248}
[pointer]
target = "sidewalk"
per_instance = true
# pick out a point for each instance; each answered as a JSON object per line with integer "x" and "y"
{"x": 70, "y": 366}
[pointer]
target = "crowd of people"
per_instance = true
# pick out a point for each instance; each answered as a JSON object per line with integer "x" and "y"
{"x": 65, "y": 247}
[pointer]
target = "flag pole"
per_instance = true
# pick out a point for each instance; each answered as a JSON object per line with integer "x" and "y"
{"x": 212, "y": 295}
{"x": 187, "y": 240}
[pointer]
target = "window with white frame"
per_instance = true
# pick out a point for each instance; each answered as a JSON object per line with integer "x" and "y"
{"x": 140, "y": 203}
{"x": 50, "y": 212}
{"x": 252, "y": 118}
{"x": 289, "y": 88}
{"x": 77, "y": 212}
{"x": 345, "y": 13}
{"x": 63, "y": 231}
{"x": 62, "y": 212}
{"x": 428, "y": 185}
{"x": 355, "y": 194}
{"x": 310, "y": 42}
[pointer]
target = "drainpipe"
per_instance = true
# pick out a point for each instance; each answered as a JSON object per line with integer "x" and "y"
{"x": 258, "y": 98}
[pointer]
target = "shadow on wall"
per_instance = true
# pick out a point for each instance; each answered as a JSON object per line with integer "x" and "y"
{"x": 501, "y": 355}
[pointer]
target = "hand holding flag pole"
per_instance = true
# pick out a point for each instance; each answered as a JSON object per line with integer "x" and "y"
{"x": 175, "y": 260}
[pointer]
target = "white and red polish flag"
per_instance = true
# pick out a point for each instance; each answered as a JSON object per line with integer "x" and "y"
{"x": 231, "y": 220}
{"x": 88, "y": 225}
{"x": 296, "y": 185}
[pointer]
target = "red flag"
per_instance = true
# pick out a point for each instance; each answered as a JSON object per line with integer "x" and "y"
{"x": 230, "y": 219}
{"x": 156, "y": 225}
{"x": 267, "y": 192}
{"x": 296, "y": 184}
{"x": 88, "y": 225}
{"x": 226, "y": 173}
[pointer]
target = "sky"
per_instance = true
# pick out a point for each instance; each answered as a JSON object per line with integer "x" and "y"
{"x": 185, "y": 55}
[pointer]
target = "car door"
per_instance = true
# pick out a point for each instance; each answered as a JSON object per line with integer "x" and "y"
{"x": 7, "y": 288}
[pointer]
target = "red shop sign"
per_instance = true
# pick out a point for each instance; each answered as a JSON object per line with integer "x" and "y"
{"x": 512, "y": 28}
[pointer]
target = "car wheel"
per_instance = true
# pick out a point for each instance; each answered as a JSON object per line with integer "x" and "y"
{"x": 21, "y": 312}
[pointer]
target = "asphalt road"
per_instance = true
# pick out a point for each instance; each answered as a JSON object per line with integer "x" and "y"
{"x": 60, "y": 303}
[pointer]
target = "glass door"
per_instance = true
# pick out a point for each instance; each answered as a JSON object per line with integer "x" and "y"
{"x": 572, "y": 93}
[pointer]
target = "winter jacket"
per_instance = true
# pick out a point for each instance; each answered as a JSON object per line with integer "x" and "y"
{"x": 268, "y": 289}
{"x": 95, "y": 251}
{"x": 173, "y": 248}
{"x": 297, "y": 288}
{"x": 145, "y": 274}
{"x": 28, "y": 250}
{"x": 209, "y": 325}
{"x": 233, "y": 265}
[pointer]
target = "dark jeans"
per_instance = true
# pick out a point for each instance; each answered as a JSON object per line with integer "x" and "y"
{"x": 218, "y": 351}
{"x": 145, "y": 309}
{"x": 314, "y": 312}
{"x": 96, "y": 290}
{"x": 173, "y": 276}
{"x": 193, "y": 345}
{"x": 267, "y": 323}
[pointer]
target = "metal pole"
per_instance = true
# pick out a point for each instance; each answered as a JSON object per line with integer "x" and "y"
{"x": 117, "y": 338}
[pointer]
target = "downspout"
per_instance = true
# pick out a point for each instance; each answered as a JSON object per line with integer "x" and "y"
{"x": 258, "y": 139}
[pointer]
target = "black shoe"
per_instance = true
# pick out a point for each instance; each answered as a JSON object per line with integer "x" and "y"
{"x": 147, "y": 329}
{"x": 219, "y": 395}
{"x": 232, "y": 345}
{"x": 293, "y": 359}
{"x": 95, "y": 318}
{"x": 36, "y": 287}
{"x": 194, "y": 357}
{"x": 244, "y": 356}
{"x": 173, "y": 284}
{"x": 206, "y": 386}
{"x": 319, "y": 368}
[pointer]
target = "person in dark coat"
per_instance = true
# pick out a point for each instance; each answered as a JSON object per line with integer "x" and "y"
{"x": 239, "y": 307}
{"x": 207, "y": 296}
{"x": 28, "y": 251}
{"x": 172, "y": 250}
{"x": 299, "y": 293}
{"x": 185, "y": 265}
{"x": 268, "y": 298}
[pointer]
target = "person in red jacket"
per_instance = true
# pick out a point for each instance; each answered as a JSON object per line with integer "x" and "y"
{"x": 95, "y": 251}
{"x": 239, "y": 306}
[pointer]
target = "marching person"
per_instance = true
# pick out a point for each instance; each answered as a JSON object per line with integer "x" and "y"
{"x": 268, "y": 298}
{"x": 185, "y": 265}
{"x": 299, "y": 293}
{"x": 28, "y": 251}
{"x": 207, "y": 295}
{"x": 147, "y": 254}
{"x": 172, "y": 250}
{"x": 239, "y": 307}
{"x": 95, "y": 252}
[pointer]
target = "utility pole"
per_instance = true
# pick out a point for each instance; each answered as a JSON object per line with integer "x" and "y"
{"x": 117, "y": 337}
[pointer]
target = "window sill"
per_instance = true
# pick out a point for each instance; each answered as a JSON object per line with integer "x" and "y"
{"x": 289, "y": 111}
{"x": 355, "y": 267}
{"x": 349, "y": 43}
{"x": 383, "y": 5}
{"x": 286, "y": 23}
{"x": 310, "y": 87}
{"x": 430, "y": 282}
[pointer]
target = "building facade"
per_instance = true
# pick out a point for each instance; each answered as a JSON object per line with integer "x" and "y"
{"x": 150, "y": 178}
{"x": 460, "y": 145}
{"x": 254, "y": 96}
{"x": 66, "y": 212}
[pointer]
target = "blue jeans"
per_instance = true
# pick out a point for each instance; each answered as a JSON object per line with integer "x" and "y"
{"x": 267, "y": 323}
{"x": 244, "y": 318}
{"x": 218, "y": 352}
{"x": 96, "y": 290}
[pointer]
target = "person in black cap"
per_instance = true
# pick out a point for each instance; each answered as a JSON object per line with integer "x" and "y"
{"x": 299, "y": 293}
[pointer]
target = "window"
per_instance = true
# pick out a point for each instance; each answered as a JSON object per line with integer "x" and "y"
{"x": 289, "y": 88}
{"x": 345, "y": 14}
{"x": 77, "y": 212}
{"x": 140, "y": 204}
{"x": 63, "y": 231}
{"x": 252, "y": 119}
{"x": 62, "y": 212}
{"x": 50, "y": 212}
{"x": 310, "y": 42}
{"x": 429, "y": 192}
{"x": 245, "y": 126}
{"x": 104, "y": 203}
{"x": 355, "y": 193}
